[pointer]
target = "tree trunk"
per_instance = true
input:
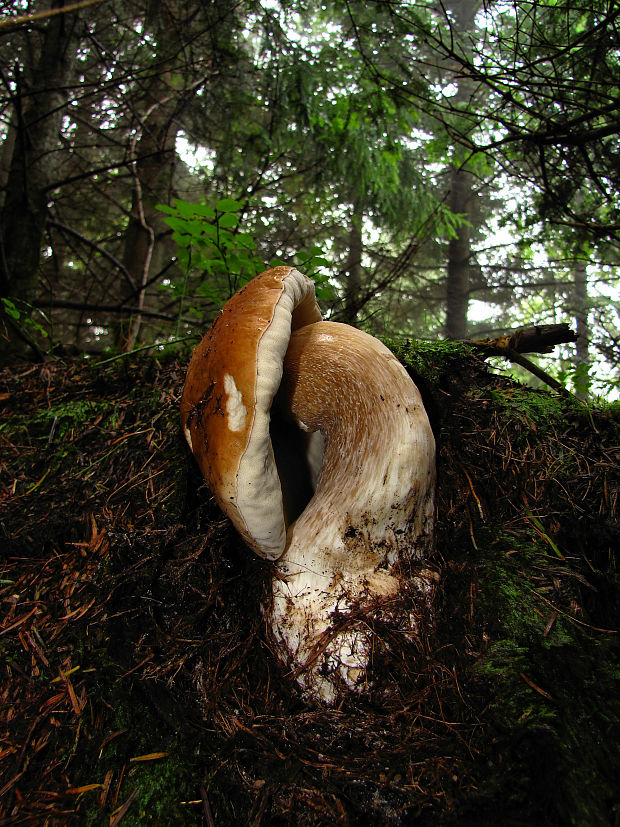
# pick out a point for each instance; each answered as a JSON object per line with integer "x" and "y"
{"x": 38, "y": 112}
{"x": 153, "y": 173}
{"x": 582, "y": 356}
{"x": 6, "y": 156}
{"x": 459, "y": 254}
{"x": 461, "y": 181}
{"x": 354, "y": 268}
{"x": 154, "y": 155}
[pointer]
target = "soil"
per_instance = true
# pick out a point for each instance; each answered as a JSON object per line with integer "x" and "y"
{"x": 139, "y": 682}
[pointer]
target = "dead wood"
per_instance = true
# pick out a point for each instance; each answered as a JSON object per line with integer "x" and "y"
{"x": 533, "y": 339}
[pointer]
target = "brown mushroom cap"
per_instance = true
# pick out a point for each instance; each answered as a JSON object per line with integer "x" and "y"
{"x": 232, "y": 378}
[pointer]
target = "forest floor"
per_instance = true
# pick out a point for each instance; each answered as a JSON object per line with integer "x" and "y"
{"x": 139, "y": 683}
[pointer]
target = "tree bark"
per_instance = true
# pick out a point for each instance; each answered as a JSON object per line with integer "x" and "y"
{"x": 152, "y": 184}
{"x": 37, "y": 116}
{"x": 461, "y": 181}
{"x": 582, "y": 347}
{"x": 533, "y": 339}
{"x": 459, "y": 255}
{"x": 154, "y": 160}
{"x": 354, "y": 268}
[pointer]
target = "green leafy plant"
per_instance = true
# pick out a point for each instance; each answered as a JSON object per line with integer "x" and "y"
{"x": 212, "y": 249}
{"x": 217, "y": 257}
{"x": 20, "y": 313}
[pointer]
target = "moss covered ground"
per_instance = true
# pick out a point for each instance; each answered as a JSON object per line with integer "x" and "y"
{"x": 139, "y": 683}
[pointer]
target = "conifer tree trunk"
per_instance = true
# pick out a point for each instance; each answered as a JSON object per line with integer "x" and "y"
{"x": 582, "y": 355}
{"x": 461, "y": 181}
{"x": 354, "y": 268}
{"x": 152, "y": 151}
{"x": 38, "y": 103}
{"x": 459, "y": 254}
{"x": 153, "y": 172}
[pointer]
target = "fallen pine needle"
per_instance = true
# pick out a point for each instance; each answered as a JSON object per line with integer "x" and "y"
{"x": 117, "y": 815}
{"x": 21, "y": 620}
{"x": 151, "y": 756}
{"x": 109, "y": 738}
{"x": 86, "y": 788}
{"x": 36, "y": 485}
{"x": 105, "y": 788}
{"x": 535, "y": 687}
{"x": 79, "y": 612}
{"x": 64, "y": 675}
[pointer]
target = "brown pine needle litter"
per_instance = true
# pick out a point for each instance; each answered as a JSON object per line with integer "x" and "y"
{"x": 139, "y": 681}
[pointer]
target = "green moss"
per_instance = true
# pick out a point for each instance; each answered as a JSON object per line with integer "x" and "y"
{"x": 167, "y": 787}
{"x": 159, "y": 785}
{"x": 553, "y": 689}
{"x": 431, "y": 359}
{"x": 541, "y": 410}
{"x": 610, "y": 409}
{"x": 60, "y": 421}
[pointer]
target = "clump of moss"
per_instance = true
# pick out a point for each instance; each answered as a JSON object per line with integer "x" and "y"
{"x": 433, "y": 360}
{"x": 554, "y": 706}
{"x": 156, "y": 774}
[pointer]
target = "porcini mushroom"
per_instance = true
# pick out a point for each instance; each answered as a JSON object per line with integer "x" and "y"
{"x": 273, "y": 396}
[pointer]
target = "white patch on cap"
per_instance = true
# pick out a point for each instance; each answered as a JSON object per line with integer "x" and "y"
{"x": 235, "y": 409}
{"x": 188, "y": 437}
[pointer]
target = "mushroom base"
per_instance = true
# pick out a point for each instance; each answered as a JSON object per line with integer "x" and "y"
{"x": 326, "y": 632}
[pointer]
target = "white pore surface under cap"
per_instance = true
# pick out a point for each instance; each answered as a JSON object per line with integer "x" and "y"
{"x": 259, "y": 495}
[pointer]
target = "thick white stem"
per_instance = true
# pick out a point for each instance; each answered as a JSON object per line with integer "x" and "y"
{"x": 373, "y": 504}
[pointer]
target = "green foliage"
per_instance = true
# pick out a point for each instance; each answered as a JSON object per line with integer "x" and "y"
{"x": 312, "y": 262}
{"x": 319, "y": 118}
{"x": 210, "y": 243}
{"x": 20, "y": 311}
{"x": 578, "y": 376}
{"x": 10, "y": 309}
{"x": 218, "y": 257}
{"x": 447, "y": 223}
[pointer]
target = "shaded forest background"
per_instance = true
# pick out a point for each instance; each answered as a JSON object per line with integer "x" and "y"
{"x": 440, "y": 169}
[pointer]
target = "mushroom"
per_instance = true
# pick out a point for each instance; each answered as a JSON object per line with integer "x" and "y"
{"x": 315, "y": 442}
